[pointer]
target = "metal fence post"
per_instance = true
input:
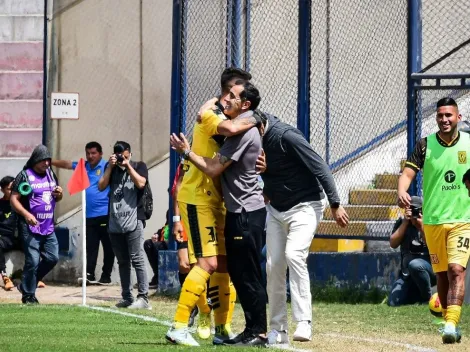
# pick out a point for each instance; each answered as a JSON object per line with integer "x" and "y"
{"x": 414, "y": 66}
{"x": 303, "y": 100}
{"x": 44, "y": 79}
{"x": 175, "y": 110}
{"x": 247, "y": 34}
{"x": 237, "y": 44}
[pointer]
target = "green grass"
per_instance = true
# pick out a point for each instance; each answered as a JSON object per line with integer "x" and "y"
{"x": 72, "y": 328}
{"x": 65, "y": 328}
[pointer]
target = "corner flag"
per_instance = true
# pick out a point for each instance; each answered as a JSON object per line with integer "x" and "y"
{"x": 79, "y": 180}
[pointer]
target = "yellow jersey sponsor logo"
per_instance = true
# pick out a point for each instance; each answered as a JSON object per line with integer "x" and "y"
{"x": 462, "y": 157}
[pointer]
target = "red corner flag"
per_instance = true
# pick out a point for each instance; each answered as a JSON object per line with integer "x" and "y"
{"x": 79, "y": 180}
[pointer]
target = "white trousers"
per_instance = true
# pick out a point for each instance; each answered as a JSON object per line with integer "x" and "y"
{"x": 289, "y": 235}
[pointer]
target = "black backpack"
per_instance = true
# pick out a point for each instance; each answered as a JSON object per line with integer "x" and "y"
{"x": 147, "y": 201}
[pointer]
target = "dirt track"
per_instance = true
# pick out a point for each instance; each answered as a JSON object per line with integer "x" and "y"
{"x": 97, "y": 295}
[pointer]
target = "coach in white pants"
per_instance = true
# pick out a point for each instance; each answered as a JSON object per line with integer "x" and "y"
{"x": 295, "y": 182}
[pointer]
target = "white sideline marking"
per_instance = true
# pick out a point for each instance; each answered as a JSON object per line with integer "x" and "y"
{"x": 143, "y": 317}
{"x": 167, "y": 323}
{"x": 409, "y": 346}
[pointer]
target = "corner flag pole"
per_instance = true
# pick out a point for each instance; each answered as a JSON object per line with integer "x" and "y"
{"x": 84, "y": 276}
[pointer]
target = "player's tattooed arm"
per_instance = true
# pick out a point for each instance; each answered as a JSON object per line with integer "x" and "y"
{"x": 222, "y": 159}
{"x": 229, "y": 128}
{"x": 251, "y": 121}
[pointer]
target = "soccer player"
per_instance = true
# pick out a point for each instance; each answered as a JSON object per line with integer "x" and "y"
{"x": 246, "y": 213}
{"x": 442, "y": 158}
{"x": 202, "y": 214}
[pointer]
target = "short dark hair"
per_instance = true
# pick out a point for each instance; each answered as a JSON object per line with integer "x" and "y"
{"x": 446, "y": 102}
{"x": 231, "y": 73}
{"x": 121, "y": 146}
{"x": 250, "y": 93}
{"x": 466, "y": 176}
{"x": 91, "y": 145}
{"x": 5, "y": 181}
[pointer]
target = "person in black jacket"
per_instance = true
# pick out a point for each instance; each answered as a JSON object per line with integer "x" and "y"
{"x": 9, "y": 239}
{"x": 295, "y": 181}
{"x": 416, "y": 277}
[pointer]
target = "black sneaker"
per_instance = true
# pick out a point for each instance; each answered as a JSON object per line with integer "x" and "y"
{"x": 104, "y": 280}
{"x": 248, "y": 339}
{"x": 153, "y": 284}
{"x": 29, "y": 299}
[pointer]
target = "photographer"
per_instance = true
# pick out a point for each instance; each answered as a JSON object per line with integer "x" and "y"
{"x": 416, "y": 277}
{"x": 127, "y": 180}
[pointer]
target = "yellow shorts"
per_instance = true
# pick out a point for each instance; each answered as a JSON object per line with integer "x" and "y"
{"x": 448, "y": 244}
{"x": 204, "y": 226}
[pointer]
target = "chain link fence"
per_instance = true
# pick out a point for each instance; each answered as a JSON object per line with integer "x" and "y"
{"x": 203, "y": 56}
{"x": 445, "y": 50}
{"x": 358, "y": 82}
{"x": 445, "y": 36}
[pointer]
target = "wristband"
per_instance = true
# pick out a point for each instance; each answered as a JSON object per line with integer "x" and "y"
{"x": 176, "y": 218}
{"x": 24, "y": 189}
{"x": 186, "y": 154}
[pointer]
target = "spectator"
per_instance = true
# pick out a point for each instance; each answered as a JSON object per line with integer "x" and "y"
{"x": 127, "y": 180}
{"x": 9, "y": 239}
{"x": 96, "y": 213}
{"x": 416, "y": 277}
{"x": 34, "y": 196}
{"x": 158, "y": 242}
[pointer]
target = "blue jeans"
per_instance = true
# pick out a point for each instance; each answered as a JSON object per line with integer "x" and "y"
{"x": 129, "y": 250}
{"x": 416, "y": 288}
{"x": 41, "y": 254}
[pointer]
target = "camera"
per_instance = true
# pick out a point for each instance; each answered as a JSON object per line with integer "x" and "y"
{"x": 415, "y": 212}
{"x": 118, "y": 150}
{"x": 119, "y": 158}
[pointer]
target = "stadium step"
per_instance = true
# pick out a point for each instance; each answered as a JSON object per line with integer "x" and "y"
{"x": 373, "y": 197}
{"x": 357, "y": 228}
{"x": 386, "y": 181}
{"x": 368, "y": 212}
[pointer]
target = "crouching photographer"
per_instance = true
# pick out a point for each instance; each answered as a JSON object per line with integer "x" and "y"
{"x": 127, "y": 181}
{"x": 416, "y": 277}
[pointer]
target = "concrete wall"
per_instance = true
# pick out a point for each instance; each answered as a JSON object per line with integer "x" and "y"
{"x": 120, "y": 63}
{"x": 21, "y": 81}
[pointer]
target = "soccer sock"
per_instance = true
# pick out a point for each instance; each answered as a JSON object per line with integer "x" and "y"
{"x": 233, "y": 299}
{"x": 219, "y": 294}
{"x": 453, "y": 314}
{"x": 182, "y": 277}
{"x": 202, "y": 303}
{"x": 193, "y": 286}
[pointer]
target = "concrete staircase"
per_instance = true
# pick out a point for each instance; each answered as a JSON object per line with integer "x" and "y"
{"x": 21, "y": 81}
{"x": 372, "y": 212}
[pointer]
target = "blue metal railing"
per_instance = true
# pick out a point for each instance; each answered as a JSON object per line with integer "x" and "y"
{"x": 176, "y": 88}
{"x": 303, "y": 96}
{"x": 413, "y": 66}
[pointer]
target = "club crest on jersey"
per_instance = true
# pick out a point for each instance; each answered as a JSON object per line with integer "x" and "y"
{"x": 462, "y": 157}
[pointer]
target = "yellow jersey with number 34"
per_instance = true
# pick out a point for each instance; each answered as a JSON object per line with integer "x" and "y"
{"x": 197, "y": 188}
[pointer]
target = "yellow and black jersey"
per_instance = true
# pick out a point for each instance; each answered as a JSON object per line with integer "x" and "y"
{"x": 197, "y": 188}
